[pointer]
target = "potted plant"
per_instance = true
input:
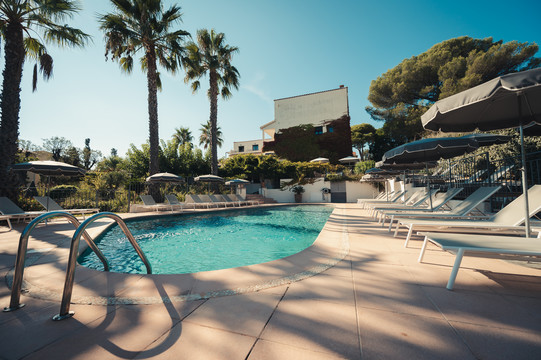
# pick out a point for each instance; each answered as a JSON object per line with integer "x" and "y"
{"x": 297, "y": 190}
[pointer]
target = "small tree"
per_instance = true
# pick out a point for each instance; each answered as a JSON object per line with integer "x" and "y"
{"x": 362, "y": 135}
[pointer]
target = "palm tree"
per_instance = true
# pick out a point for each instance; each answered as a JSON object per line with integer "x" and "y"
{"x": 25, "y": 28}
{"x": 143, "y": 25}
{"x": 182, "y": 136}
{"x": 212, "y": 56}
{"x": 205, "y": 137}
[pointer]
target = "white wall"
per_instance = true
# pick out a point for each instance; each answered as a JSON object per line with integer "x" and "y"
{"x": 360, "y": 190}
{"x": 312, "y": 193}
{"x": 311, "y": 108}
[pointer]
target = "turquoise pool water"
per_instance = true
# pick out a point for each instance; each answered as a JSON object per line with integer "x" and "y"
{"x": 220, "y": 240}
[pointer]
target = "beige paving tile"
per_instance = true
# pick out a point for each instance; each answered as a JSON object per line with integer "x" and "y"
{"x": 266, "y": 350}
{"x": 483, "y": 309}
{"x": 325, "y": 288}
{"x": 193, "y": 341}
{"x": 391, "y": 335}
{"x": 123, "y": 333}
{"x": 159, "y": 286}
{"x": 320, "y": 326}
{"x": 31, "y": 331}
{"x": 487, "y": 342}
{"x": 244, "y": 314}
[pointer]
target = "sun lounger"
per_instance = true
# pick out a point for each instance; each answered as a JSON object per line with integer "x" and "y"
{"x": 509, "y": 218}
{"x": 491, "y": 245}
{"x": 198, "y": 201}
{"x": 51, "y": 205}
{"x": 10, "y": 211}
{"x": 240, "y": 198}
{"x": 439, "y": 201}
{"x": 174, "y": 202}
{"x": 216, "y": 199}
{"x": 149, "y": 201}
{"x": 466, "y": 207}
{"x": 230, "y": 200}
{"x": 394, "y": 198}
{"x": 417, "y": 200}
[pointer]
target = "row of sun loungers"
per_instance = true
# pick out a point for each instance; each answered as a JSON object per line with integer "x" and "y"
{"x": 196, "y": 201}
{"x": 10, "y": 211}
{"x": 461, "y": 231}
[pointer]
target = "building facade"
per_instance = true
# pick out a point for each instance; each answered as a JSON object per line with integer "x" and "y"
{"x": 305, "y": 127}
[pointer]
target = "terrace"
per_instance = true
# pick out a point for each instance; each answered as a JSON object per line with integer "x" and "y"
{"x": 374, "y": 301}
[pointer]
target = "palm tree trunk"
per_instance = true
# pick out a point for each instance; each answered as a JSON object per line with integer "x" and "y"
{"x": 213, "y": 121}
{"x": 10, "y": 104}
{"x": 153, "y": 167}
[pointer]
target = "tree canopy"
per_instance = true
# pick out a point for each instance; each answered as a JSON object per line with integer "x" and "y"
{"x": 401, "y": 95}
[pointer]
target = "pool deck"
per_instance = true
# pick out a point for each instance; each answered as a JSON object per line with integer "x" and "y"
{"x": 357, "y": 293}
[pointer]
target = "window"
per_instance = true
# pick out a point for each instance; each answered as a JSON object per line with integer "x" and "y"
{"x": 330, "y": 128}
{"x": 318, "y": 130}
{"x": 255, "y": 147}
{"x": 241, "y": 148}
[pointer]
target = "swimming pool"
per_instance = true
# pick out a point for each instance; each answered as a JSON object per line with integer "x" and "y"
{"x": 213, "y": 241}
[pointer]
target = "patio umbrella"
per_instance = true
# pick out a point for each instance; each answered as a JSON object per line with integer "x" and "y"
{"x": 236, "y": 182}
{"x": 427, "y": 150}
{"x": 349, "y": 160}
{"x": 209, "y": 179}
{"x": 164, "y": 178}
{"x": 320, "y": 160}
{"x": 488, "y": 139}
{"x": 512, "y": 100}
{"x": 49, "y": 168}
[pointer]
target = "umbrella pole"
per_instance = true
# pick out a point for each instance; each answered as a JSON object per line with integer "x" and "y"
{"x": 428, "y": 186}
{"x": 524, "y": 181}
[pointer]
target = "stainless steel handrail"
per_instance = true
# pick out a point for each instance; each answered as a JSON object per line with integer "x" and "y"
{"x": 23, "y": 246}
{"x": 70, "y": 272}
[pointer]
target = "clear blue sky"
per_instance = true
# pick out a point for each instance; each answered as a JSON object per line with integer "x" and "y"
{"x": 287, "y": 48}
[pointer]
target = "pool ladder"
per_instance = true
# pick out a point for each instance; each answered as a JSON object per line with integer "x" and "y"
{"x": 74, "y": 247}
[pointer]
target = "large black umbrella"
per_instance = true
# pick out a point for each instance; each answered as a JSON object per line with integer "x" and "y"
{"x": 512, "y": 100}
{"x": 431, "y": 149}
{"x": 49, "y": 168}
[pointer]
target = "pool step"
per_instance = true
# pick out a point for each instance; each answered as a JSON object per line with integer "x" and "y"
{"x": 260, "y": 198}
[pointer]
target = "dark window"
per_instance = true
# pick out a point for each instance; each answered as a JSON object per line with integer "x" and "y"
{"x": 241, "y": 148}
{"x": 330, "y": 128}
{"x": 255, "y": 147}
{"x": 318, "y": 130}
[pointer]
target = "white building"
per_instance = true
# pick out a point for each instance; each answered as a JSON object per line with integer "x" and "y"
{"x": 316, "y": 109}
{"x": 254, "y": 147}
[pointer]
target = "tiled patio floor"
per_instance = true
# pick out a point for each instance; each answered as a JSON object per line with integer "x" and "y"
{"x": 376, "y": 303}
